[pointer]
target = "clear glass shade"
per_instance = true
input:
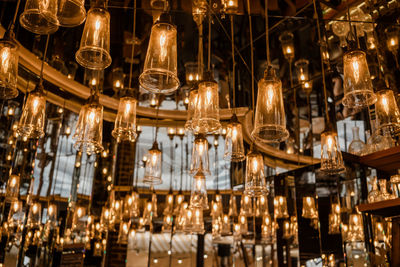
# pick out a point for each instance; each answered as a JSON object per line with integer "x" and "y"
{"x": 197, "y": 221}
{"x": 77, "y": 218}
{"x": 286, "y": 39}
{"x": 255, "y": 184}
{"x": 270, "y": 120}
{"x": 231, "y": 6}
{"x": 280, "y": 207}
{"x": 206, "y": 113}
{"x": 33, "y": 20}
{"x": 392, "y": 38}
{"x": 386, "y": 110}
{"x": 200, "y": 159}
{"x": 341, "y": 29}
{"x": 15, "y": 215}
{"x": 302, "y": 70}
{"x": 51, "y": 221}
{"x": 167, "y": 223}
{"x": 66, "y": 13}
{"x": 8, "y": 69}
{"x": 193, "y": 73}
{"x": 34, "y": 215}
{"x": 125, "y": 122}
{"x": 123, "y": 233}
{"x": 331, "y": 156}
{"x": 356, "y": 228}
{"x": 198, "y": 198}
{"x": 153, "y": 168}
{"x": 169, "y": 204}
{"x": 160, "y": 67}
{"x": 357, "y": 84}
{"x": 12, "y": 188}
{"x": 193, "y": 96}
{"x": 233, "y": 211}
{"x": 246, "y": 205}
{"x": 234, "y": 149}
{"x": 94, "y": 50}
{"x": 309, "y": 210}
{"x": 242, "y": 220}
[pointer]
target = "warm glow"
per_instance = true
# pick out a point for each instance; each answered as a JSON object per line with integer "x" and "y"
{"x": 35, "y": 208}
{"x": 356, "y": 69}
{"x": 5, "y": 58}
{"x": 13, "y": 181}
{"x": 385, "y": 104}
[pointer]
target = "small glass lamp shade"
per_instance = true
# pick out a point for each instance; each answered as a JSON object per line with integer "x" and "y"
{"x": 8, "y": 68}
{"x": 246, "y": 205}
{"x": 216, "y": 209}
{"x": 392, "y": 39}
{"x": 94, "y": 50}
{"x": 270, "y": 120}
{"x": 52, "y": 216}
{"x": 387, "y": 111}
{"x": 192, "y": 104}
{"x": 160, "y": 66}
{"x": 255, "y": 184}
{"x": 127, "y": 209}
{"x": 242, "y": 220}
{"x": 231, "y": 6}
{"x": 198, "y": 198}
{"x": 197, "y": 221}
{"x": 66, "y": 13}
{"x": 356, "y": 228}
{"x": 34, "y": 215}
{"x": 199, "y": 10}
{"x": 193, "y": 73}
{"x": 302, "y": 70}
{"x": 266, "y": 228}
{"x": 125, "y": 122}
{"x": 234, "y": 149}
{"x": 167, "y": 223}
{"x": 233, "y": 211}
{"x": 89, "y": 128}
{"x": 187, "y": 219}
{"x": 225, "y": 225}
{"x": 135, "y": 211}
{"x": 309, "y": 210}
{"x": 77, "y": 223}
{"x": 153, "y": 168}
{"x": 123, "y": 233}
{"x": 357, "y": 84}
{"x": 380, "y": 234}
{"x": 280, "y": 207}
{"x": 116, "y": 211}
{"x": 15, "y": 215}
{"x": 341, "y": 30}
{"x": 12, "y": 188}
{"x": 118, "y": 77}
{"x": 262, "y": 206}
{"x": 216, "y": 228}
{"x": 236, "y": 232}
{"x": 169, "y": 204}
{"x": 31, "y": 123}
{"x": 286, "y": 39}
{"x": 331, "y": 156}
{"x": 334, "y": 223}
{"x": 206, "y": 114}
{"x": 200, "y": 160}
{"x": 33, "y": 20}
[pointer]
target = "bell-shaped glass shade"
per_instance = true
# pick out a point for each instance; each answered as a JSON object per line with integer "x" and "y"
{"x": 357, "y": 84}
{"x": 216, "y": 228}
{"x": 77, "y": 222}
{"x": 255, "y": 184}
{"x": 198, "y": 198}
{"x": 193, "y": 96}
{"x": 34, "y": 215}
{"x": 125, "y": 122}
{"x": 392, "y": 39}
{"x": 286, "y": 39}
{"x": 246, "y": 205}
{"x": 193, "y": 73}
{"x": 169, "y": 204}
{"x": 356, "y": 228}
{"x": 153, "y": 168}
{"x": 261, "y": 206}
{"x": 206, "y": 114}
{"x": 242, "y": 220}
{"x": 197, "y": 221}
{"x": 15, "y": 215}
{"x": 270, "y": 120}
{"x": 51, "y": 221}
{"x": 331, "y": 156}
{"x": 233, "y": 211}
{"x": 309, "y": 210}
{"x": 200, "y": 160}
{"x": 216, "y": 208}
{"x": 123, "y": 233}
{"x": 187, "y": 220}
{"x": 89, "y": 129}
{"x": 266, "y": 228}
{"x": 94, "y": 50}
{"x": 31, "y": 123}
{"x": 12, "y": 188}
{"x": 167, "y": 223}
{"x": 66, "y": 13}
{"x": 33, "y": 20}
{"x": 280, "y": 207}
{"x": 225, "y": 225}
{"x": 386, "y": 110}
{"x": 302, "y": 70}
{"x": 234, "y": 149}
{"x": 8, "y": 69}
{"x": 160, "y": 66}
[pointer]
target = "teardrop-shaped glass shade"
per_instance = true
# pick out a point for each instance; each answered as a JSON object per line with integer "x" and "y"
{"x": 12, "y": 188}
{"x": 193, "y": 96}
{"x": 89, "y": 129}
{"x": 255, "y": 184}
{"x": 33, "y": 20}
{"x": 198, "y": 197}
{"x": 125, "y": 122}
{"x": 8, "y": 69}
{"x": 331, "y": 156}
{"x": 34, "y": 215}
{"x": 66, "y": 13}
{"x": 234, "y": 149}
{"x": 160, "y": 67}
{"x": 123, "y": 233}
{"x": 206, "y": 114}
{"x": 270, "y": 120}
{"x": 233, "y": 211}
{"x": 200, "y": 160}
{"x": 94, "y": 50}
{"x": 386, "y": 110}
{"x": 280, "y": 207}
{"x": 357, "y": 84}
{"x": 31, "y": 123}
{"x": 153, "y": 168}
{"x": 197, "y": 221}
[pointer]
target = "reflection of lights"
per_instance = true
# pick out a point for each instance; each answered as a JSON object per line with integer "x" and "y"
{"x": 180, "y": 261}
{"x": 155, "y": 260}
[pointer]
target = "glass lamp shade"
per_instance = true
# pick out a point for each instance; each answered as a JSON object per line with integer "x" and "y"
{"x": 52, "y": 216}
{"x": 160, "y": 66}
{"x": 242, "y": 220}
{"x": 356, "y": 229}
{"x": 225, "y": 225}
{"x": 128, "y": 207}
{"x": 302, "y": 70}
{"x": 135, "y": 212}
{"x": 231, "y": 6}
{"x": 118, "y": 77}
{"x": 116, "y": 211}
{"x": 331, "y": 156}
{"x": 123, "y": 233}
{"x": 89, "y": 128}
{"x": 105, "y": 218}
{"x": 266, "y": 228}
{"x": 392, "y": 39}
{"x": 153, "y": 168}
{"x": 193, "y": 96}
{"x": 234, "y": 149}
{"x": 341, "y": 30}
{"x": 15, "y": 215}
{"x": 199, "y": 10}
{"x": 198, "y": 198}
{"x": 193, "y": 73}
{"x": 12, "y": 188}
{"x": 261, "y": 206}
{"x": 386, "y": 110}
{"x": 233, "y": 211}
{"x": 280, "y": 207}
{"x": 8, "y": 69}
{"x": 246, "y": 206}
{"x": 125, "y": 122}
{"x": 94, "y": 50}
{"x": 255, "y": 184}
{"x": 286, "y": 39}
{"x": 197, "y": 221}
{"x": 270, "y": 120}
{"x": 154, "y": 205}
{"x": 33, "y": 20}
{"x": 187, "y": 219}
{"x": 31, "y": 123}
{"x": 309, "y": 210}
{"x": 216, "y": 228}
{"x": 77, "y": 223}
{"x": 167, "y": 223}
{"x": 236, "y": 232}
{"x": 334, "y": 223}
{"x": 169, "y": 204}
{"x": 66, "y": 13}
{"x": 357, "y": 84}
{"x": 34, "y": 215}
{"x": 206, "y": 114}
{"x": 200, "y": 160}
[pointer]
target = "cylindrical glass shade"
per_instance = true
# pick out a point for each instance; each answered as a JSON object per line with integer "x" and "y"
{"x": 193, "y": 73}
{"x": 232, "y": 207}
{"x": 242, "y": 220}
{"x": 66, "y": 13}
{"x": 331, "y": 156}
{"x": 246, "y": 205}
{"x": 206, "y": 114}
{"x": 356, "y": 229}
{"x": 225, "y": 225}
{"x": 197, "y": 221}
{"x": 12, "y": 188}
{"x": 123, "y": 233}
{"x": 261, "y": 206}
{"x": 255, "y": 184}
{"x": 341, "y": 29}
{"x": 231, "y": 6}
{"x": 160, "y": 67}
{"x": 302, "y": 70}
{"x": 270, "y": 120}
{"x": 8, "y": 69}
{"x": 118, "y": 77}
{"x": 34, "y": 20}
{"x": 77, "y": 222}
{"x": 386, "y": 110}
{"x": 169, "y": 204}
{"x": 31, "y": 123}
{"x": 266, "y": 228}
{"x": 334, "y": 220}
{"x": 125, "y": 122}
{"x": 167, "y": 223}
{"x": 280, "y": 207}
{"x": 15, "y": 215}
{"x": 392, "y": 39}
{"x": 94, "y": 50}
{"x": 216, "y": 208}
{"x": 198, "y": 198}
{"x": 357, "y": 84}
{"x": 216, "y": 228}
{"x": 187, "y": 220}
{"x": 234, "y": 149}
{"x": 193, "y": 96}
{"x": 309, "y": 210}
{"x": 89, "y": 128}
{"x": 236, "y": 232}
{"x": 153, "y": 168}
{"x": 34, "y": 215}
{"x": 199, "y": 160}
{"x": 286, "y": 39}
{"x": 52, "y": 215}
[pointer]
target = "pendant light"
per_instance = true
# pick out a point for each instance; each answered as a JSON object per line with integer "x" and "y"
{"x": 153, "y": 167}
{"x": 33, "y": 20}
{"x": 309, "y": 211}
{"x": 386, "y": 110}
{"x": 193, "y": 96}
{"x": 286, "y": 39}
{"x": 255, "y": 184}
{"x": 200, "y": 159}
{"x": 167, "y": 223}
{"x": 334, "y": 220}
{"x": 216, "y": 228}
{"x": 187, "y": 220}
{"x": 66, "y": 13}
{"x": 34, "y": 215}
{"x": 12, "y": 188}
{"x": 270, "y": 118}
{"x": 242, "y": 220}
{"x": 94, "y": 50}
{"x": 392, "y": 41}
{"x": 160, "y": 66}
{"x": 51, "y": 221}
{"x": 302, "y": 70}
{"x": 225, "y": 225}
{"x": 232, "y": 206}
{"x": 246, "y": 206}
{"x": 356, "y": 228}
{"x": 197, "y": 221}
{"x": 261, "y": 206}
{"x": 280, "y": 207}
{"x": 123, "y": 233}
{"x": 15, "y": 215}
{"x": 192, "y": 73}
{"x": 198, "y": 198}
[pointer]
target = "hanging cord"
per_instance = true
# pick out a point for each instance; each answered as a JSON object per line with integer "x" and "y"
{"x": 172, "y": 161}
{"x": 12, "y": 25}
{"x": 233, "y": 65}
{"x": 209, "y": 40}
{"x": 158, "y": 107}
{"x": 200, "y": 63}
{"x": 267, "y": 33}
{"x": 216, "y": 167}
{"x": 252, "y": 58}
{"x": 133, "y": 44}
{"x": 180, "y": 189}
{"x": 44, "y": 59}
